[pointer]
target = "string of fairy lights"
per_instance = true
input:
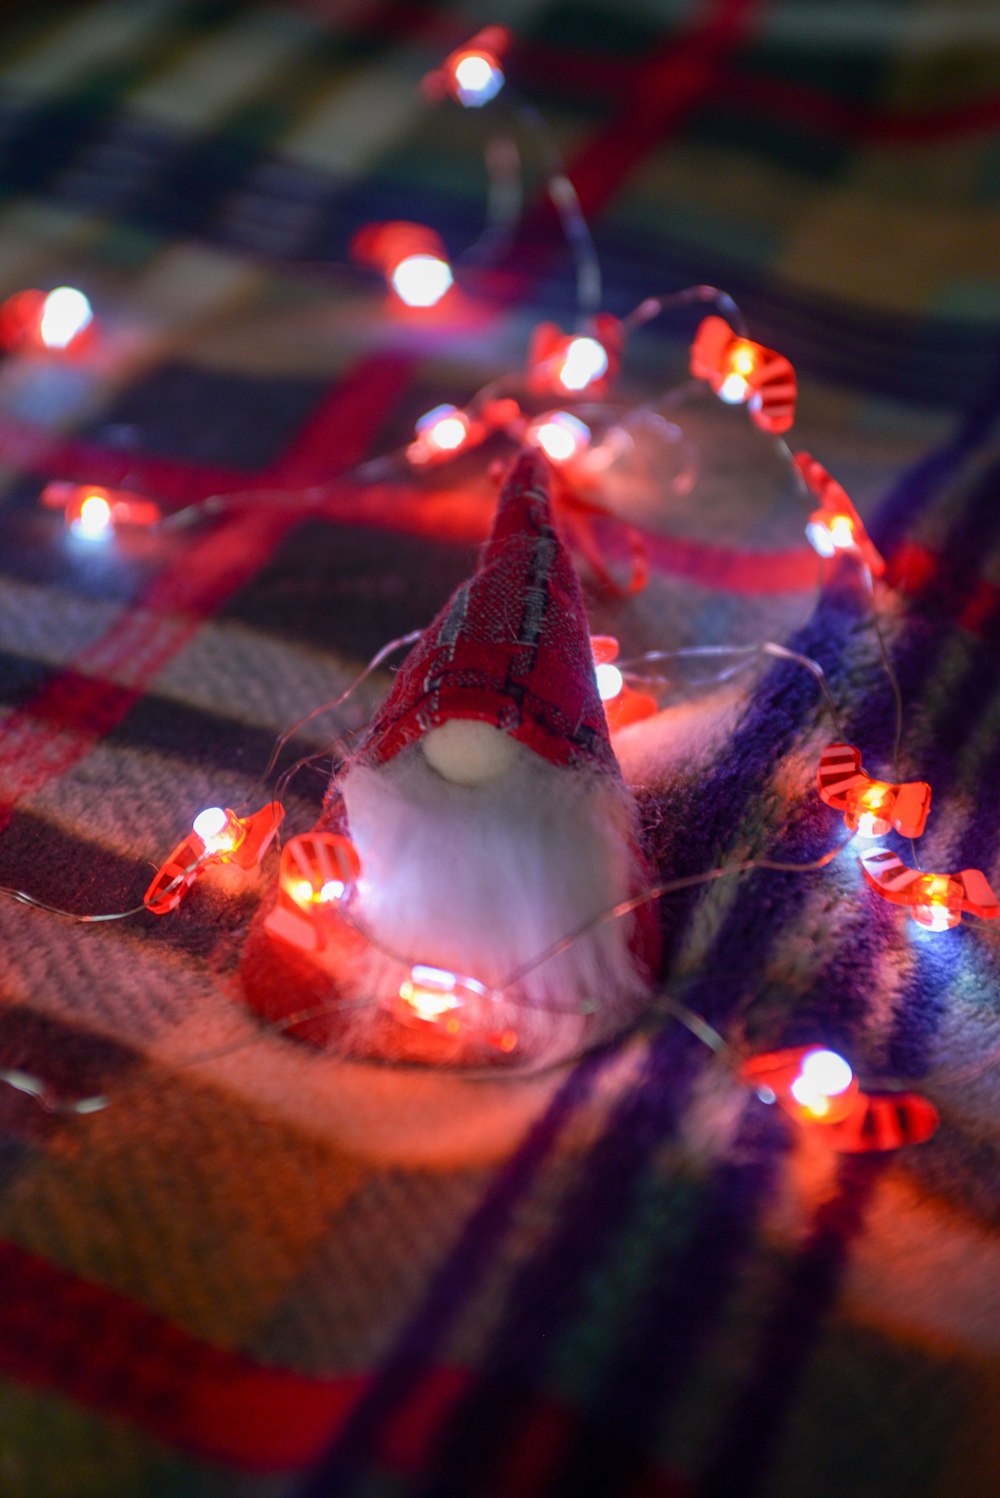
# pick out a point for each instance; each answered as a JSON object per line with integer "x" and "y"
{"x": 568, "y": 375}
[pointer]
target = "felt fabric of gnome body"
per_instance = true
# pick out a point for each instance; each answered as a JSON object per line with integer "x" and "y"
{"x": 487, "y": 806}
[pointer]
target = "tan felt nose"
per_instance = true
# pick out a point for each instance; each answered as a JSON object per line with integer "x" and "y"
{"x": 468, "y": 753}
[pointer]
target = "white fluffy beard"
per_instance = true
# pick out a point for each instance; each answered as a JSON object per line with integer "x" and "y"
{"x": 481, "y": 880}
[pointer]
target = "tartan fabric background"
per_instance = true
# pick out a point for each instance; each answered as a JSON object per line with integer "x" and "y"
{"x": 274, "y": 1274}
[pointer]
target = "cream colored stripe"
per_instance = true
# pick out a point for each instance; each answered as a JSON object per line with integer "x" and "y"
{"x": 858, "y": 26}
{"x": 35, "y": 235}
{"x": 136, "y": 804}
{"x": 217, "y": 75}
{"x": 93, "y": 36}
{"x": 107, "y": 978}
{"x": 227, "y": 668}
{"x": 848, "y": 243}
{"x": 357, "y": 123}
{"x": 49, "y": 625}
{"x": 257, "y": 678}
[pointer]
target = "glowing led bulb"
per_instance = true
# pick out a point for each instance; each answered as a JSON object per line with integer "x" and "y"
{"x": 560, "y": 436}
{"x": 329, "y": 893}
{"x": 935, "y": 917}
{"x": 584, "y": 361}
{"x": 477, "y": 79}
{"x": 819, "y": 537}
{"x": 93, "y": 512}
{"x": 865, "y": 815}
{"x": 319, "y": 871}
{"x": 217, "y": 835}
{"x": 942, "y": 909}
{"x": 421, "y": 280}
{"x": 94, "y": 520}
{"x": 735, "y": 387}
{"x": 65, "y": 314}
{"x": 623, "y": 705}
{"x": 305, "y": 893}
{"x": 734, "y": 390}
{"x": 743, "y": 359}
{"x": 814, "y": 1085}
{"x": 841, "y": 531}
{"x": 823, "y": 1075}
{"x": 836, "y": 526}
{"x": 302, "y": 892}
{"x": 218, "y": 829}
{"x": 828, "y": 534}
{"x": 444, "y": 428}
{"x": 429, "y": 991}
{"x": 610, "y": 681}
{"x": 435, "y": 995}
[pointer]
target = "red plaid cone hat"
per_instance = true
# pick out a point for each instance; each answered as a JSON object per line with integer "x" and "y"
{"x": 511, "y": 647}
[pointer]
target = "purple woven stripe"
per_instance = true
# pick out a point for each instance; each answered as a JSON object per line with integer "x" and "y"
{"x": 923, "y": 482}
{"x": 551, "y": 1288}
{"x": 784, "y": 700}
{"x": 676, "y": 1309}
{"x": 751, "y": 1429}
{"x": 918, "y": 655}
{"x": 916, "y": 658}
{"x": 419, "y": 1341}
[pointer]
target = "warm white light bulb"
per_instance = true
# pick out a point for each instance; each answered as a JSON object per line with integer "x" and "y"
{"x": 421, "y": 280}
{"x": 584, "y": 361}
{"x": 841, "y": 532}
{"x": 477, "y": 80}
{"x": 430, "y": 991}
{"x": 822, "y": 1075}
{"x": 819, "y": 538}
{"x": 934, "y": 917}
{"x": 65, "y": 314}
{"x": 94, "y": 520}
{"x": 560, "y": 436}
{"x": 212, "y": 826}
{"x": 734, "y": 390}
{"x": 609, "y": 681}
{"x": 444, "y": 428}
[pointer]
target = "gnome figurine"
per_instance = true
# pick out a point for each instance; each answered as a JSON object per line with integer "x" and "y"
{"x": 489, "y": 813}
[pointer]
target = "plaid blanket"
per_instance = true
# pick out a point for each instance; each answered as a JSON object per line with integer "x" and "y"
{"x": 273, "y": 1273}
